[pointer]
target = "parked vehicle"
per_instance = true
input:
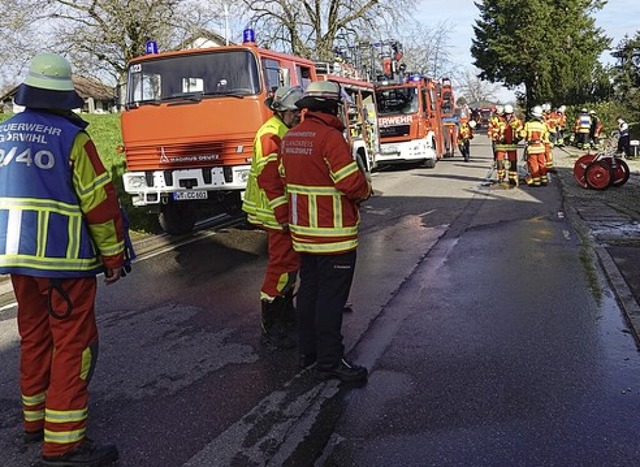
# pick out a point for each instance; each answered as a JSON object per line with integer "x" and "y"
{"x": 189, "y": 121}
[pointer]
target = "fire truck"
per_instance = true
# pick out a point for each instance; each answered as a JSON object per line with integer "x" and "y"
{"x": 410, "y": 121}
{"x": 360, "y": 113}
{"x": 189, "y": 121}
{"x": 449, "y": 117}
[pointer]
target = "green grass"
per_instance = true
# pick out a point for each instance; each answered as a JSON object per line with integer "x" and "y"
{"x": 105, "y": 132}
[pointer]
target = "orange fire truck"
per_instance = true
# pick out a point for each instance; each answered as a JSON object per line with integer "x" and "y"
{"x": 189, "y": 121}
{"x": 410, "y": 121}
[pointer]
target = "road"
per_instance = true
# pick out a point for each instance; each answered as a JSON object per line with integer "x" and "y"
{"x": 491, "y": 337}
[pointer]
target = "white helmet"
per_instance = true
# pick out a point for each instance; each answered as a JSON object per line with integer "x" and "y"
{"x": 285, "y": 98}
{"x": 562, "y": 108}
{"x": 546, "y": 106}
{"x": 508, "y": 109}
{"x": 536, "y": 111}
{"x": 472, "y": 123}
{"x": 499, "y": 109}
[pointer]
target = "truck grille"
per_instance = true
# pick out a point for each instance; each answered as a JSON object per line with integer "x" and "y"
{"x": 397, "y": 130}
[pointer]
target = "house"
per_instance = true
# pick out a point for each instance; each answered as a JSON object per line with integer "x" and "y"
{"x": 98, "y": 97}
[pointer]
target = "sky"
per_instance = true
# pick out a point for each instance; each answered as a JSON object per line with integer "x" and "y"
{"x": 617, "y": 18}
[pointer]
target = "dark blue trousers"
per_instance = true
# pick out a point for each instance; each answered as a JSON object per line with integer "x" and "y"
{"x": 325, "y": 281}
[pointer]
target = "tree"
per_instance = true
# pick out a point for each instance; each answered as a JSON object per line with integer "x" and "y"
{"x": 551, "y": 48}
{"x": 626, "y": 73}
{"x": 311, "y": 28}
{"x": 98, "y": 36}
{"x": 476, "y": 89}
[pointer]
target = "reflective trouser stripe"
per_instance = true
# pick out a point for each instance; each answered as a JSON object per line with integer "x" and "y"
{"x": 64, "y": 437}
{"x": 33, "y": 415}
{"x": 66, "y": 416}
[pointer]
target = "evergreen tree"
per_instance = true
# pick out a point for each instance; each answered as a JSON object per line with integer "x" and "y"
{"x": 627, "y": 73}
{"x": 549, "y": 47}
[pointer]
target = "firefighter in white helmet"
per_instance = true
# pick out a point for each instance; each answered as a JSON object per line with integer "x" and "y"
{"x": 535, "y": 133}
{"x": 492, "y": 130}
{"x": 508, "y": 135}
{"x": 264, "y": 196}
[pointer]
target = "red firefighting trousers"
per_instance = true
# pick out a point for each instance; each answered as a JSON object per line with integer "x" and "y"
{"x": 501, "y": 156}
{"x": 282, "y": 266}
{"x": 537, "y": 169}
{"x": 57, "y": 357}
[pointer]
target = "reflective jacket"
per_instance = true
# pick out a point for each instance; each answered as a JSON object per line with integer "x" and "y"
{"x": 265, "y": 190}
{"x": 465, "y": 133}
{"x": 583, "y": 124}
{"x": 59, "y": 215}
{"x": 508, "y": 134}
{"x": 536, "y": 134}
{"x": 324, "y": 186}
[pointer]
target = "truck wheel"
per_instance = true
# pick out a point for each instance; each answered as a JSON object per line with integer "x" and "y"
{"x": 177, "y": 218}
{"x": 430, "y": 163}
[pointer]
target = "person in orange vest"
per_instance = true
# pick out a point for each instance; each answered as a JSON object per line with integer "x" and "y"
{"x": 492, "y": 129}
{"x": 62, "y": 226}
{"x": 582, "y": 129}
{"x": 325, "y": 188}
{"x": 465, "y": 135}
{"x": 595, "y": 132}
{"x": 535, "y": 133}
{"x": 561, "y": 119}
{"x": 264, "y": 194}
{"x": 507, "y": 145}
{"x": 551, "y": 120}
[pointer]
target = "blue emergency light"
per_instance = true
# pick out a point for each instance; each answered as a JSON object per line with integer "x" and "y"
{"x": 151, "y": 47}
{"x": 415, "y": 77}
{"x": 249, "y": 35}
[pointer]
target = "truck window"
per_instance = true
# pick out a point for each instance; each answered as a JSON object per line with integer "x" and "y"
{"x": 209, "y": 74}
{"x": 304, "y": 75}
{"x": 397, "y": 100}
{"x": 272, "y": 73}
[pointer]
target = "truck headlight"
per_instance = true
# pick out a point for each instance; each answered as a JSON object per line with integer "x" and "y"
{"x": 243, "y": 175}
{"x": 135, "y": 182}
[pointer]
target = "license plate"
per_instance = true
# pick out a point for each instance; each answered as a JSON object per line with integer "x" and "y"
{"x": 190, "y": 195}
{"x": 390, "y": 150}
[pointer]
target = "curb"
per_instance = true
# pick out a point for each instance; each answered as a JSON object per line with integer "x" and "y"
{"x": 621, "y": 289}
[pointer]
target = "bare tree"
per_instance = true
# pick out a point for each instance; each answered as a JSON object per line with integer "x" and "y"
{"x": 311, "y": 28}
{"x": 427, "y": 48}
{"x": 98, "y": 36}
{"x": 475, "y": 89}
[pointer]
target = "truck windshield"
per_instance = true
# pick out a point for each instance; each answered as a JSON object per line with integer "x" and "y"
{"x": 397, "y": 100}
{"x": 193, "y": 76}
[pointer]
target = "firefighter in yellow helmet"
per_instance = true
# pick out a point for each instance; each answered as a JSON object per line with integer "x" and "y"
{"x": 265, "y": 194}
{"x": 536, "y": 133}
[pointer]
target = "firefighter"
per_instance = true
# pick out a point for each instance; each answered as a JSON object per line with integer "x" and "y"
{"x": 624, "y": 145}
{"x": 582, "y": 129}
{"x": 550, "y": 118}
{"x": 465, "y": 135}
{"x": 325, "y": 187}
{"x": 492, "y": 129}
{"x": 61, "y": 226}
{"x": 265, "y": 194}
{"x": 561, "y": 120}
{"x": 507, "y": 146}
{"x": 535, "y": 133}
{"x": 595, "y": 131}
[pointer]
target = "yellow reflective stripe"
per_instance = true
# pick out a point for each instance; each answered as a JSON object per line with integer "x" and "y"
{"x": 312, "y": 190}
{"x": 313, "y": 211}
{"x": 325, "y": 247}
{"x": 113, "y": 250}
{"x": 52, "y": 264}
{"x": 96, "y": 183}
{"x": 277, "y": 202}
{"x": 36, "y": 399}
{"x": 34, "y": 204}
{"x": 66, "y": 416}
{"x": 64, "y": 437}
{"x": 324, "y": 231}
{"x": 344, "y": 172}
{"x": 337, "y": 211}
{"x": 33, "y": 415}
{"x": 85, "y": 366}
{"x": 73, "y": 229}
{"x": 42, "y": 231}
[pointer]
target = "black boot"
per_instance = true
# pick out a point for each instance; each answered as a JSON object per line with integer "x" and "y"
{"x": 88, "y": 454}
{"x": 274, "y": 332}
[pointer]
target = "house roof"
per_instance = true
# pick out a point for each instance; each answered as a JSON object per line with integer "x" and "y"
{"x": 85, "y": 87}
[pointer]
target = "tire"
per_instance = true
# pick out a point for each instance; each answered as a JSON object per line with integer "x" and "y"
{"x": 599, "y": 175}
{"x": 177, "y": 218}
{"x": 620, "y": 173}
{"x": 580, "y": 168}
{"x": 430, "y": 163}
